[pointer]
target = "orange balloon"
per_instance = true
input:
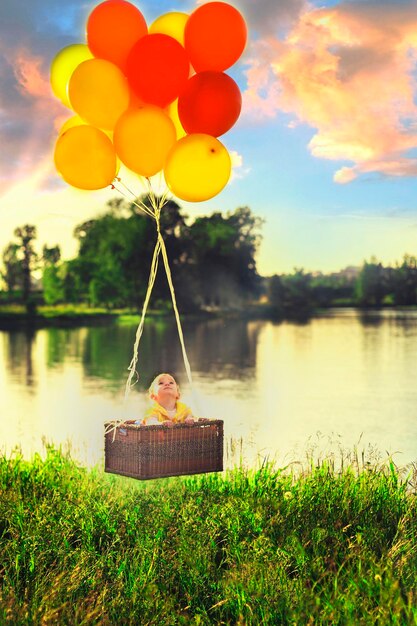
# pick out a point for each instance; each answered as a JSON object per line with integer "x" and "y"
{"x": 135, "y": 102}
{"x": 210, "y": 103}
{"x": 157, "y": 69}
{"x": 143, "y": 138}
{"x": 99, "y": 92}
{"x": 215, "y": 36}
{"x": 113, "y": 28}
{"x": 75, "y": 120}
{"x": 85, "y": 157}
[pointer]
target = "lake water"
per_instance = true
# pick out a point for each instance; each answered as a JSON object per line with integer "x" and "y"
{"x": 341, "y": 380}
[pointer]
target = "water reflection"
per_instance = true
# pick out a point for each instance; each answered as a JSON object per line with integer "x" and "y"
{"x": 215, "y": 347}
{"x": 222, "y": 347}
{"x": 64, "y": 344}
{"x": 274, "y": 384}
{"x": 369, "y": 318}
{"x": 19, "y": 353}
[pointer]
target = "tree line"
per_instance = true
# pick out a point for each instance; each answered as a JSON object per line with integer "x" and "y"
{"x": 371, "y": 285}
{"x": 212, "y": 260}
{"x": 213, "y": 264}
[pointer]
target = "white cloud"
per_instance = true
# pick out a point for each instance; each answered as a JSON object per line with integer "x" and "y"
{"x": 238, "y": 169}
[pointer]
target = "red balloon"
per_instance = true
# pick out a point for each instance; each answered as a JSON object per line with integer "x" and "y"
{"x": 157, "y": 69}
{"x": 113, "y": 28}
{"x": 210, "y": 104}
{"x": 215, "y": 36}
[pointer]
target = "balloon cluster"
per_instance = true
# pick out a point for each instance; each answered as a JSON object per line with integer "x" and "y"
{"x": 155, "y": 99}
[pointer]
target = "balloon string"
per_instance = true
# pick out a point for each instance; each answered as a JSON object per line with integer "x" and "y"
{"x": 157, "y": 209}
{"x": 163, "y": 201}
{"x": 156, "y": 205}
{"x": 174, "y": 304}
{"x": 155, "y": 212}
{"x": 132, "y": 193}
{"x": 141, "y": 205}
{"x": 139, "y": 331}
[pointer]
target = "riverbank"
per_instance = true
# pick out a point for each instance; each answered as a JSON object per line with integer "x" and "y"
{"x": 16, "y": 316}
{"x": 247, "y": 547}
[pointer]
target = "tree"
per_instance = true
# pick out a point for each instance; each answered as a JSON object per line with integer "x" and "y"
{"x": 276, "y": 295}
{"x": 12, "y": 275}
{"x": 371, "y": 284}
{"x": 330, "y": 290}
{"x": 297, "y": 293}
{"x": 70, "y": 276}
{"x": 403, "y": 281}
{"x": 51, "y": 256}
{"x": 26, "y": 234}
{"x": 53, "y": 288}
{"x": 176, "y": 234}
{"x": 212, "y": 258}
{"x": 111, "y": 263}
{"x": 115, "y": 253}
{"x": 222, "y": 253}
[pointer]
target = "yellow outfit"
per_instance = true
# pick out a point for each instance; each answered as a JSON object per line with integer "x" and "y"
{"x": 182, "y": 411}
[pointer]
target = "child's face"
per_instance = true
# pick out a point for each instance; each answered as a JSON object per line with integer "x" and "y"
{"x": 165, "y": 388}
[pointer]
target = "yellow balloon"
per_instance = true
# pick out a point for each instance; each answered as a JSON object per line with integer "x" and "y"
{"x": 172, "y": 110}
{"x": 63, "y": 66}
{"x": 142, "y": 138}
{"x": 197, "y": 168}
{"x": 75, "y": 120}
{"x": 172, "y": 24}
{"x": 99, "y": 93}
{"x": 85, "y": 157}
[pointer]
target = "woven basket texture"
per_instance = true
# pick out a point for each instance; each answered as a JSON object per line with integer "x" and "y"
{"x": 145, "y": 452}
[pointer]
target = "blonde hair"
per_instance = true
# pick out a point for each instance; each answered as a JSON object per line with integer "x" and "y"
{"x": 156, "y": 380}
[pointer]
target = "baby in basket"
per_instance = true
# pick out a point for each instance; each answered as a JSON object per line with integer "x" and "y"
{"x": 166, "y": 408}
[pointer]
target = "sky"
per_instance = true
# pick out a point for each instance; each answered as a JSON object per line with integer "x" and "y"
{"x": 325, "y": 149}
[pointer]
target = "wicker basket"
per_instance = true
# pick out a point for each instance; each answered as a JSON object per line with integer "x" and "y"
{"x": 145, "y": 452}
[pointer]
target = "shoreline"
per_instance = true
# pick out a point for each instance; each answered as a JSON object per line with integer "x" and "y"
{"x": 15, "y": 317}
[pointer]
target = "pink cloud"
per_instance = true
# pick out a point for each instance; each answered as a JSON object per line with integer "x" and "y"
{"x": 263, "y": 91}
{"x": 29, "y": 76}
{"x": 347, "y": 72}
{"x": 32, "y": 113}
{"x": 400, "y": 168}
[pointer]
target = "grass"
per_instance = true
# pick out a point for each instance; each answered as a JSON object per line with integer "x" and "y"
{"x": 74, "y": 311}
{"x": 64, "y": 310}
{"x": 248, "y": 547}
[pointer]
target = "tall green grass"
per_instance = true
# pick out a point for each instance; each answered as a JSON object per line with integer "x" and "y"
{"x": 253, "y": 547}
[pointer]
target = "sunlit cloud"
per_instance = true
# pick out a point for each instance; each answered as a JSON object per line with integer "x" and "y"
{"x": 29, "y": 76}
{"x": 400, "y": 168}
{"x": 348, "y": 72}
{"x": 237, "y": 159}
{"x": 30, "y": 185}
{"x": 29, "y": 114}
{"x": 239, "y": 170}
{"x": 263, "y": 91}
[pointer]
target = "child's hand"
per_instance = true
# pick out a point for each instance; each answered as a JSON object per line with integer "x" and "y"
{"x": 189, "y": 420}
